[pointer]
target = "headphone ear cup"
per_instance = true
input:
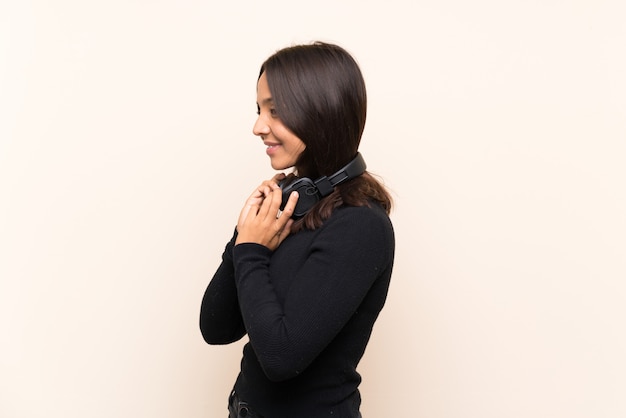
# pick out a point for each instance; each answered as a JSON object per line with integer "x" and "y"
{"x": 310, "y": 192}
{"x": 308, "y": 195}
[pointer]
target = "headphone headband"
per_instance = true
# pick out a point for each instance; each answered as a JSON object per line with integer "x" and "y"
{"x": 310, "y": 192}
{"x": 353, "y": 169}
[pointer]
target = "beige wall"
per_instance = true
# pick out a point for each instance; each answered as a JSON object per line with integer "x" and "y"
{"x": 126, "y": 152}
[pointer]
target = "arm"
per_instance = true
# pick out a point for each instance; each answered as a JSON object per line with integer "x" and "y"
{"x": 220, "y": 317}
{"x": 350, "y": 252}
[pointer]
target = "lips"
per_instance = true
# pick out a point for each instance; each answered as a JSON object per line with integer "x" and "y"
{"x": 271, "y": 147}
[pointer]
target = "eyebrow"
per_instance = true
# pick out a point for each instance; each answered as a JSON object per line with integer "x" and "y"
{"x": 268, "y": 100}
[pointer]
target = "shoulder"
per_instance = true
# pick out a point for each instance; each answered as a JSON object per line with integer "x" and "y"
{"x": 359, "y": 223}
{"x": 361, "y": 214}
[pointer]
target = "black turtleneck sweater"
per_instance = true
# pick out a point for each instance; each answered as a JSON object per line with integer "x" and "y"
{"x": 308, "y": 309}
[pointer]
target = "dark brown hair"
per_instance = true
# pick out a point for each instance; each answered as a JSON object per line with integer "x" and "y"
{"x": 319, "y": 94}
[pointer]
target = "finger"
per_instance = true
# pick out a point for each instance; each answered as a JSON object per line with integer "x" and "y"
{"x": 263, "y": 187}
{"x": 244, "y": 212}
{"x": 271, "y": 205}
{"x": 249, "y": 213}
{"x": 254, "y": 202}
{"x": 272, "y": 184}
{"x": 274, "y": 180}
{"x": 251, "y": 206}
{"x": 285, "y": 231}
{"x": 262, "y": 190}
{"x": 265, "y": 209}
{"x": 255, "y": 198}
{"x": 276, "y": 201}
{"x": 278, "y": 177}
{"x": 290, "y": 206}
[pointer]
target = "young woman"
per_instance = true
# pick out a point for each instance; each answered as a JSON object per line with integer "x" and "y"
{"x": 305, "y": 283}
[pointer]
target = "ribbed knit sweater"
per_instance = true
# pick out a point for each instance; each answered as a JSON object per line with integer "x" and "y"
{"x": 308, "y": 309}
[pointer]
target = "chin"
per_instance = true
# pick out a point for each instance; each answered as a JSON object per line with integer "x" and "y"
{"x": 277, "y": 165}
{"x": 280, "y": 167}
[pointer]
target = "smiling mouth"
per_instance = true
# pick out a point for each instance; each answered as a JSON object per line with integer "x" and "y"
{"x": 271, "y": 149}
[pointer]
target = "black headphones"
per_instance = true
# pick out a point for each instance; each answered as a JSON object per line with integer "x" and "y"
{"x": 310, "y": 192}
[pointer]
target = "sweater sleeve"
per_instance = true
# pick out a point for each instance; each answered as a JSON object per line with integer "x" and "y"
{"x": 220, "y": 318}
{"x": 347, "y": 256}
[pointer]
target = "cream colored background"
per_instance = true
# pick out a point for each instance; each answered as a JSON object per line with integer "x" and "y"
{"x": 126, "y": 152}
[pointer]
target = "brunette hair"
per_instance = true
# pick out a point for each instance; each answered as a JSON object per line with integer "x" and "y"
{"x": 319, "y": 94}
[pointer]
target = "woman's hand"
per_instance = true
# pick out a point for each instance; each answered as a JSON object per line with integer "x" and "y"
{"x": 261, "y": 221}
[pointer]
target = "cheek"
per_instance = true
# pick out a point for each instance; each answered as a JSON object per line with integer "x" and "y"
{"x": 295, "y": 144}
{"x": 297, "y": 147}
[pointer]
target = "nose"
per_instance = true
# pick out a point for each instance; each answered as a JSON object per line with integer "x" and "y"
{"x": 260, "y": 128}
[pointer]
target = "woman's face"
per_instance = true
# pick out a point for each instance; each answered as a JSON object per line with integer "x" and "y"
{"x": 283, "y": 146}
